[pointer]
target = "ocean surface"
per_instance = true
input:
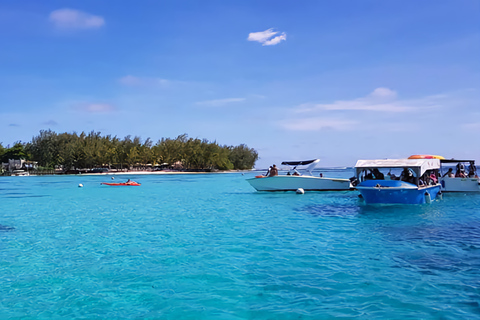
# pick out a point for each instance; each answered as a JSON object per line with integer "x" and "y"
{"x": 208, "y": 246}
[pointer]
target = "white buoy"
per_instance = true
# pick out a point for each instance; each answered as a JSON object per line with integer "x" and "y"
{"x": 80, "y": 185}
{"x": 428, "y": 199}
{"x": 300, "y": 191}
{"x": 113, "y": 178}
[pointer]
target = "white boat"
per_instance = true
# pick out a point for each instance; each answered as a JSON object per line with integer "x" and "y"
{"x": 463, "y": 179}
{"x": 403, "y": 181}
{"x": 299, "y": 178}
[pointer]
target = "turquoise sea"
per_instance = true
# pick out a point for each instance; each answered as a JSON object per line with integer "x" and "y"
{"x": 208, "y": 246}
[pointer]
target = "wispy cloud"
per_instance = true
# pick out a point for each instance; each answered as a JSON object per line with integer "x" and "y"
{"x": 472, "y": 126}
{"x": 317, "y": 124}
{"x": 95, "y": 108}
{"x": 220, "y": 102}
{"x": 75, "y": 19}
{"x": 130, "y": 80}
{"x": 13, "y": 125}
{"x": 380, "y": 100}
{"x": 381, "y": 107}
{"x": 51, "y": 123}
{"x": 267, "y": 37}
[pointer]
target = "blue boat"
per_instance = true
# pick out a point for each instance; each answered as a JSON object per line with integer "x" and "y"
{"x": 398, "y": 181}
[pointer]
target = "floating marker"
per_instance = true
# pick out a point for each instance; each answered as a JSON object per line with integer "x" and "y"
{"x": 428, "y": 199}
{"x": 80, "y": 185}
{"x": 300, "y": 191}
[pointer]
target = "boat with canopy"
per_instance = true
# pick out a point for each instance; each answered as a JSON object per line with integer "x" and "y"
{"x": 401, "y": 181}
{"x": 461, "y": 176}
{"x": 300, "y": 175}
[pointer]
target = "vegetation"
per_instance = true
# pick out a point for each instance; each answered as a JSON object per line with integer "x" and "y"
{"x": 85, "y": 151}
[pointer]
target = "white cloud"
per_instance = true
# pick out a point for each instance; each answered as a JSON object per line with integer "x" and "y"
{"x": 143, "y": 81}
{"x": 75, "y": 19}
{"x": 316, "y": 124}
{"x": 220, "y": 102}
{"x": 267, "y": 37}
{"x": 383, "y": 93}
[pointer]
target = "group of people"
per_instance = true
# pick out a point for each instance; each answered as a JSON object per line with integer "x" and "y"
{"x": 375, "y": 174}
{"x": 461, "y": 173}
{"x": 407, "y": 175}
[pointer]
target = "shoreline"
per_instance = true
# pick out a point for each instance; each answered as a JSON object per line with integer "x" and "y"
{"x": 119, "y": 173}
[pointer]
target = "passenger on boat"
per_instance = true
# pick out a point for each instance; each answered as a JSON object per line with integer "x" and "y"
{"x": 369, "y": 176}
{"x": 378, "y": 175}
{"x": 273, "y": 171}
{"x": 460, "y": 171}
{"x": 449, "y": 173}
{"x": 407, "y": 176}
{"x": 471, "y": 171}
{"x": 268, "y": 172}
{"x": 392, "y": 176}
{"x": 433, "y": 177}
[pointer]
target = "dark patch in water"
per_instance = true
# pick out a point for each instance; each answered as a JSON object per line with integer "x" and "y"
{"x": 467, "y": 234}
{"x": 332, "y": 210}
{"x": 6, "y": 228}
{"x": 452, "y": 248}
{"x": 24, "y": 196}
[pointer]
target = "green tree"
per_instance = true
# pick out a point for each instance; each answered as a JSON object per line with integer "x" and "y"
{"x": 242, "y": 157}
{"x": 16, "y": 152}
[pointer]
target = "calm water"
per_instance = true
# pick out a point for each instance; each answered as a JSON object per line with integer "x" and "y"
{"x": 210, "y": 247}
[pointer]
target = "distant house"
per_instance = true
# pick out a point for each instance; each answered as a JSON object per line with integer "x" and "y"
{"x": 19, "y": 164}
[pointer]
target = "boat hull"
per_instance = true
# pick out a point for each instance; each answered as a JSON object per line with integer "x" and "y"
{"x": 460, "y": 184}
{"x": 396, "y": 192}
{"x": 292, "y": 183}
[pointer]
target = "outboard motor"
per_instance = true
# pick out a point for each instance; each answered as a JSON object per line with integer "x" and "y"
{"x": 353, "y": 181}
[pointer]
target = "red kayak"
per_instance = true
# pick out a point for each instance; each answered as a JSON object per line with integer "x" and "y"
{"x": 131, "y": 183}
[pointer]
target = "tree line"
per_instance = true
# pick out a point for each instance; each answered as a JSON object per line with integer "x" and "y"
{"x": 92, "y": 150}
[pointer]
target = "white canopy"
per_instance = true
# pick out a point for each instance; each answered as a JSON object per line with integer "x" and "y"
{"x": 420, "y": 165}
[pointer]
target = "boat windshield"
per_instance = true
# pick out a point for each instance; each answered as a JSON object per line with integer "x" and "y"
{"x": 295, "y": 171}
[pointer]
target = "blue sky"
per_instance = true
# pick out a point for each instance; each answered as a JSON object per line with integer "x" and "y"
{"x": 336, "y": 80}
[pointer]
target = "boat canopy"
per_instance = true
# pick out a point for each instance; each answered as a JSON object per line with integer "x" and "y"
{"x": 418, "y": 165}
{"x": 455, "y": 161}
{"x": 300, "y": 163}
{"x": 308, "y": 170}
